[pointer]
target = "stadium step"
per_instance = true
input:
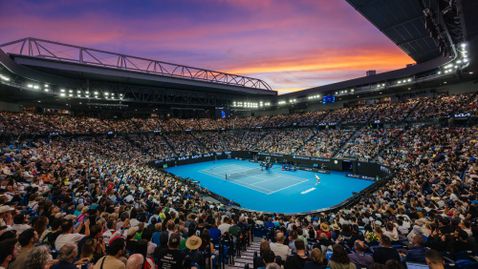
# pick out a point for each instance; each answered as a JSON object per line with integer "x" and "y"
{"x": 242, "y": 260}
{"x": 246, "y": 257}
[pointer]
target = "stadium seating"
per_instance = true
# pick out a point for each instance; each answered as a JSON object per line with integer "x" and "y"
{"x": 66, "y": 180}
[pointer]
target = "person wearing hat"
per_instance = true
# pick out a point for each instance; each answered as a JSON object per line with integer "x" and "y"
{"x": 324, "y": 229}
{"x": 170, "y": 257}
{"x": 6, "y": 215}
{"x": 194, "y": 257}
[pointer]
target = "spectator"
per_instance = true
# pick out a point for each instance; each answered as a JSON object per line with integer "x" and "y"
{"x": 297, "y": 260}
{"x": 393, "y": 264}
{"x": 67, "y": 256}
{"x": 434, "y": 259}
{"x": 416, "y": 253}
{"x": 19, "y": 224}
{"x": 339, "y": 259}
{"x": 135, "y": 261}
{"x": 8, "y": 253}
{"x": 385, "y": 251}
{"x": 359, "y": 257}
{"x": 278, "y": 246}
{"x": 171, "y": 257}
{"x": 225, "y": 225}
{"x": 194, "y": 257}
{"x": 273, "y": 266}
{"x": 6, "y": 215}
{"x": 69, "y": 236}
{"x": 268, "y": 257}
{"x": 115, "y": 252}
{"x": 39, "y": 258}
{"x": 27, "y": 240}
{"x": 318, "y": 260}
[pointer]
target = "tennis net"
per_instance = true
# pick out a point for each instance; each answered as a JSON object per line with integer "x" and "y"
{"x": 241, "y": 174}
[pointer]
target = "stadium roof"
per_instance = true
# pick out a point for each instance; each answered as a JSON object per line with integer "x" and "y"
{"x": 60, "y": 57}
{"x": 403, "y": 21}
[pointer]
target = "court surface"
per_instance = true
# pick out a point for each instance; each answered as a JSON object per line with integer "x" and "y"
{"x": 271, "y": 190}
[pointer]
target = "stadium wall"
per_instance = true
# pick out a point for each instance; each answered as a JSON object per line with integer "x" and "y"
{"x": 9, "y": 107}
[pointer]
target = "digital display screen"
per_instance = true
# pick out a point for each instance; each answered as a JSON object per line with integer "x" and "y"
{"x": 222, "y": 113}
{"x": 327, "y": 99}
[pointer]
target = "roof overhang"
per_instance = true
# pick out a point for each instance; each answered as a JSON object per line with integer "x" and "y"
{"x": 83, "y": 72}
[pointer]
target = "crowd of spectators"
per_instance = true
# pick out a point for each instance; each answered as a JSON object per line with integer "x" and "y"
{"x": 325, "y": 143}
{"x": 395, "y": 112}
{"x": 443, "y": 106}
{"x": 367, "y": 143}
{"x": 413, "y": 109}
{"x": 284, "y": 141}
{"x": 93, "y": 202}
{"x": 185, "y": 144}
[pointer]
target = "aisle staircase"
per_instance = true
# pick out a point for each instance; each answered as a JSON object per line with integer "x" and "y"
{"x": 246, "y": 257}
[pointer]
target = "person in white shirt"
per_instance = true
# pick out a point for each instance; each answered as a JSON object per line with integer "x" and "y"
{"x": 110, "y": 232}
{"x": 225, "y": 225}
{"x": 68, "y": 235}
{"x": 19, "y": 223}
{"x": 279, "y": 248}
{"x": 391, "y": 231}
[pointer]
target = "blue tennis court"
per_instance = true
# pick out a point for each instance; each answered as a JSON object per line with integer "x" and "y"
{"x": 271, "y": 190}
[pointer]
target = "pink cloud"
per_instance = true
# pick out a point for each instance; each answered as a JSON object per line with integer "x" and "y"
{"x": 265, "y": 37}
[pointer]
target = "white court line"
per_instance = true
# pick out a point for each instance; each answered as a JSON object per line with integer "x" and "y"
{"x": 254, "y": 188}
{"x": 213, "y": 171}
{"x": 307, "y": 191}
{"x": 289, "y": 186}
{"x": 253, "y": 185}
{"x": 300, "y": 180}
{"x": 288, "y": 178}
{"x": 257, "y": 182}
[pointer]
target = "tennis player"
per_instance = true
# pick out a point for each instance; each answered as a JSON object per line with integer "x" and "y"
{"x": 317, "y": 179}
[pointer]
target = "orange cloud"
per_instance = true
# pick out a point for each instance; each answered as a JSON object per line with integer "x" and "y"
{"x": 358, "y": 60}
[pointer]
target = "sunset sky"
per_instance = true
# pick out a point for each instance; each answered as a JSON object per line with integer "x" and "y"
{"x": 292, "y": 45}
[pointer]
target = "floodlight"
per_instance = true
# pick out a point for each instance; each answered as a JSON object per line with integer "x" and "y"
{"x": 5, "y": 78}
